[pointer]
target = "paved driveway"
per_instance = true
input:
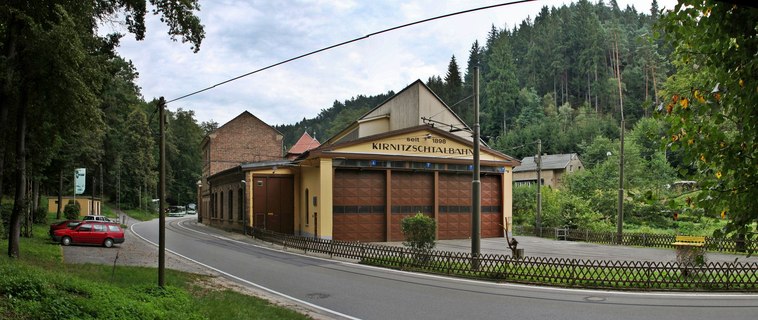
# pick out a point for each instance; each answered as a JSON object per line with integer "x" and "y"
{"x": 541, "y": 247}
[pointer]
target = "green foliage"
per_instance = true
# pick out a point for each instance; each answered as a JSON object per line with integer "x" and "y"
{"x": 71, "y": 210}
{"x": 419, "y": 231}
{"x": 559, "y": 209}
{"x": 710, "y": 105}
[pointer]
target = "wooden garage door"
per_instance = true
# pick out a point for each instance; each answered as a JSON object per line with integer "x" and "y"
{"x": 412, "y": 192}
{"x": 492, "y": 206}
{"x": 274, "y": 203}
{"x": 455, "y": 206}
{"x": 359, "y": 204}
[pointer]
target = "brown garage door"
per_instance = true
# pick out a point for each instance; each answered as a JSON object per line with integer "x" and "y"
{"x": 359, "y": 204}
{"x": 274, "y": 203}
{"x": 412, "y": 192}
{"x": 492, "y": 207}
{"x": 455, "y": 206}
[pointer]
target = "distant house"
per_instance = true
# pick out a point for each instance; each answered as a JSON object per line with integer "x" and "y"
{"x": 305, "y": 143}
{"x": 554, "y": 167}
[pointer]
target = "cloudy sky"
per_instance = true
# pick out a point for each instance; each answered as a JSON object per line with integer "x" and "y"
{"x": 246, "y": 35}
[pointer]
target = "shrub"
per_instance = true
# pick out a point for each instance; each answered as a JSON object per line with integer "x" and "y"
{"x": 72, "y": 209}
{"x": 419, "y": 232}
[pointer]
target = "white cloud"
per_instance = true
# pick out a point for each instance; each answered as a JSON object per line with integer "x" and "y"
{"x": 242, "y": 36}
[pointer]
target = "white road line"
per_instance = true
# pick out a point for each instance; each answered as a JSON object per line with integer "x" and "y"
{"x": 243, "y": 280}
{"x": 745, "y": 296}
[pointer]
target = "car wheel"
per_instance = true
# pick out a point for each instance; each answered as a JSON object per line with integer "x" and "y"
{"x": 108, "y": 243}
{"x": 66, "y": 241}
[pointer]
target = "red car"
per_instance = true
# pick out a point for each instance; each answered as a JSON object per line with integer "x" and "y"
{"x": 63, "y": 224}
{"x": 90, "y": 232}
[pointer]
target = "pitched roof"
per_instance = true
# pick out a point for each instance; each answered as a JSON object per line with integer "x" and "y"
{"x": 549, "y": 162}
{"x": 305, "y": 143}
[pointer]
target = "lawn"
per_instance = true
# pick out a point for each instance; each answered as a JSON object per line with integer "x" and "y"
{"x": 39, "y": 285}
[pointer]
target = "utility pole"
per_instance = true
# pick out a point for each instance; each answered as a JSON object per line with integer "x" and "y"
{"x": 620, "y": 214}
{"x": 162, "y": 196}
{"x": 476, "y": 186}
{"x": 538, "y": 216}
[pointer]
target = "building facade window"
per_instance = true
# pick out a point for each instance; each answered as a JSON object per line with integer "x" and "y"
{"x": 221, "y": 206}
{"x": 231, "y": 205}
{"x": 307, "y": 207}
{"x": 241, "y": 201}
{"x": 213, "y": 205}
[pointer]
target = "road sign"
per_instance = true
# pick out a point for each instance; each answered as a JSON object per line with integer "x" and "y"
{"x": 79, "y": 180}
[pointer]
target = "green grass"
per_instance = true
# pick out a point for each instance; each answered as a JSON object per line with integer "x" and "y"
{"x": 38, "y": 285}
{"x": 141, "y": 215}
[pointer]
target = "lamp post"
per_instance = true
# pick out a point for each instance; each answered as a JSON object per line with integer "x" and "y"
{"x": 199, "y": 203}
{"x": 244, "y": 207}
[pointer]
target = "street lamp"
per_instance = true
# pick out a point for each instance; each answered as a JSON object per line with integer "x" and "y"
{"x": 199, "y": 202}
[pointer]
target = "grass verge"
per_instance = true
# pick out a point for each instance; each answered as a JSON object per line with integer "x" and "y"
{"x": 38, "y": 285}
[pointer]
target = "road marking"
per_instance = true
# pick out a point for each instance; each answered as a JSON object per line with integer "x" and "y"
{"x": 243, "y": 280}
{"x": 745, "y": 296}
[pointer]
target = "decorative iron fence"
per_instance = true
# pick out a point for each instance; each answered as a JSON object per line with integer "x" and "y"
{"x": 638, "y": 239}
{"x": 577, "y": 273}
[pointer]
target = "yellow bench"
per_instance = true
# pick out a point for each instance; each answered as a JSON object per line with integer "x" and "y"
{"x": 689, "y": 241}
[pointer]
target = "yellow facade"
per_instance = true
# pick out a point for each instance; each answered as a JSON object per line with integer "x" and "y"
{"x": 87, "y": 205}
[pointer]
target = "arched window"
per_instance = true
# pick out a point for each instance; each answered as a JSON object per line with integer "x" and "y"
{"x": 307, "y": 207}
{"x": 231, "y": 206}
{"x": 241, "y": 201}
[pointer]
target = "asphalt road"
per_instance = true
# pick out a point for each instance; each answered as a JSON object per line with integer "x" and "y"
{"x": 346, "y": 290}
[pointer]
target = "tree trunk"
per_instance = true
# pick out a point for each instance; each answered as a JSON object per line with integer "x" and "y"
{"x": 6, "y": 97}
{"x": 60, "y": 195}
{"x": 19, "y": 201}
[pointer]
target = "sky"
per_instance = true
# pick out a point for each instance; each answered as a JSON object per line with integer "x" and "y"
{"x": 246, "y": 35}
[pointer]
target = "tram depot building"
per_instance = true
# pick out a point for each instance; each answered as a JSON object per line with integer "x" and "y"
{"x": 358, "y": 185}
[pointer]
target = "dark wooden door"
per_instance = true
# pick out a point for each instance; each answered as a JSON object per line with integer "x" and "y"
{"x": 274, "y": 203}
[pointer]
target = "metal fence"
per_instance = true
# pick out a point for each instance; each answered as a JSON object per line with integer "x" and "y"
{"x": 577, "y": 273}
{"x": 636, "y": 239}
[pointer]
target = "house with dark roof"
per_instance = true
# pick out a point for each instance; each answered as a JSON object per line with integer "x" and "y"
{"x": 554, "y": 168}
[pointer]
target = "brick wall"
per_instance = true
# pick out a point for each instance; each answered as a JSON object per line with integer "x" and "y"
{"x": 241, "y": 140}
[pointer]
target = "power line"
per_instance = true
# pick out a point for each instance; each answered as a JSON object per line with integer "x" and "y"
{"x": 347, "y": 42}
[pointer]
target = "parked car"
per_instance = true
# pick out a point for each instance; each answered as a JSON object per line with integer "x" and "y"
{"x": 176, "y": 211}
{"x": 191, "y": 208}
{"x": 63, "y": 224}
{"x": 92, "y": 217}
{"x": 91, "y": 232}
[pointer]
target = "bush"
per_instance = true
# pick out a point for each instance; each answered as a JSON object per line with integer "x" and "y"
{"x": 419, "y": 232}
{"x": 72, "y": 209}
{"x": 40, "y": 215}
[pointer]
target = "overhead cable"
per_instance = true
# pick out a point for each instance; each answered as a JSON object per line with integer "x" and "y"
{"x": 347, "y": 42}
